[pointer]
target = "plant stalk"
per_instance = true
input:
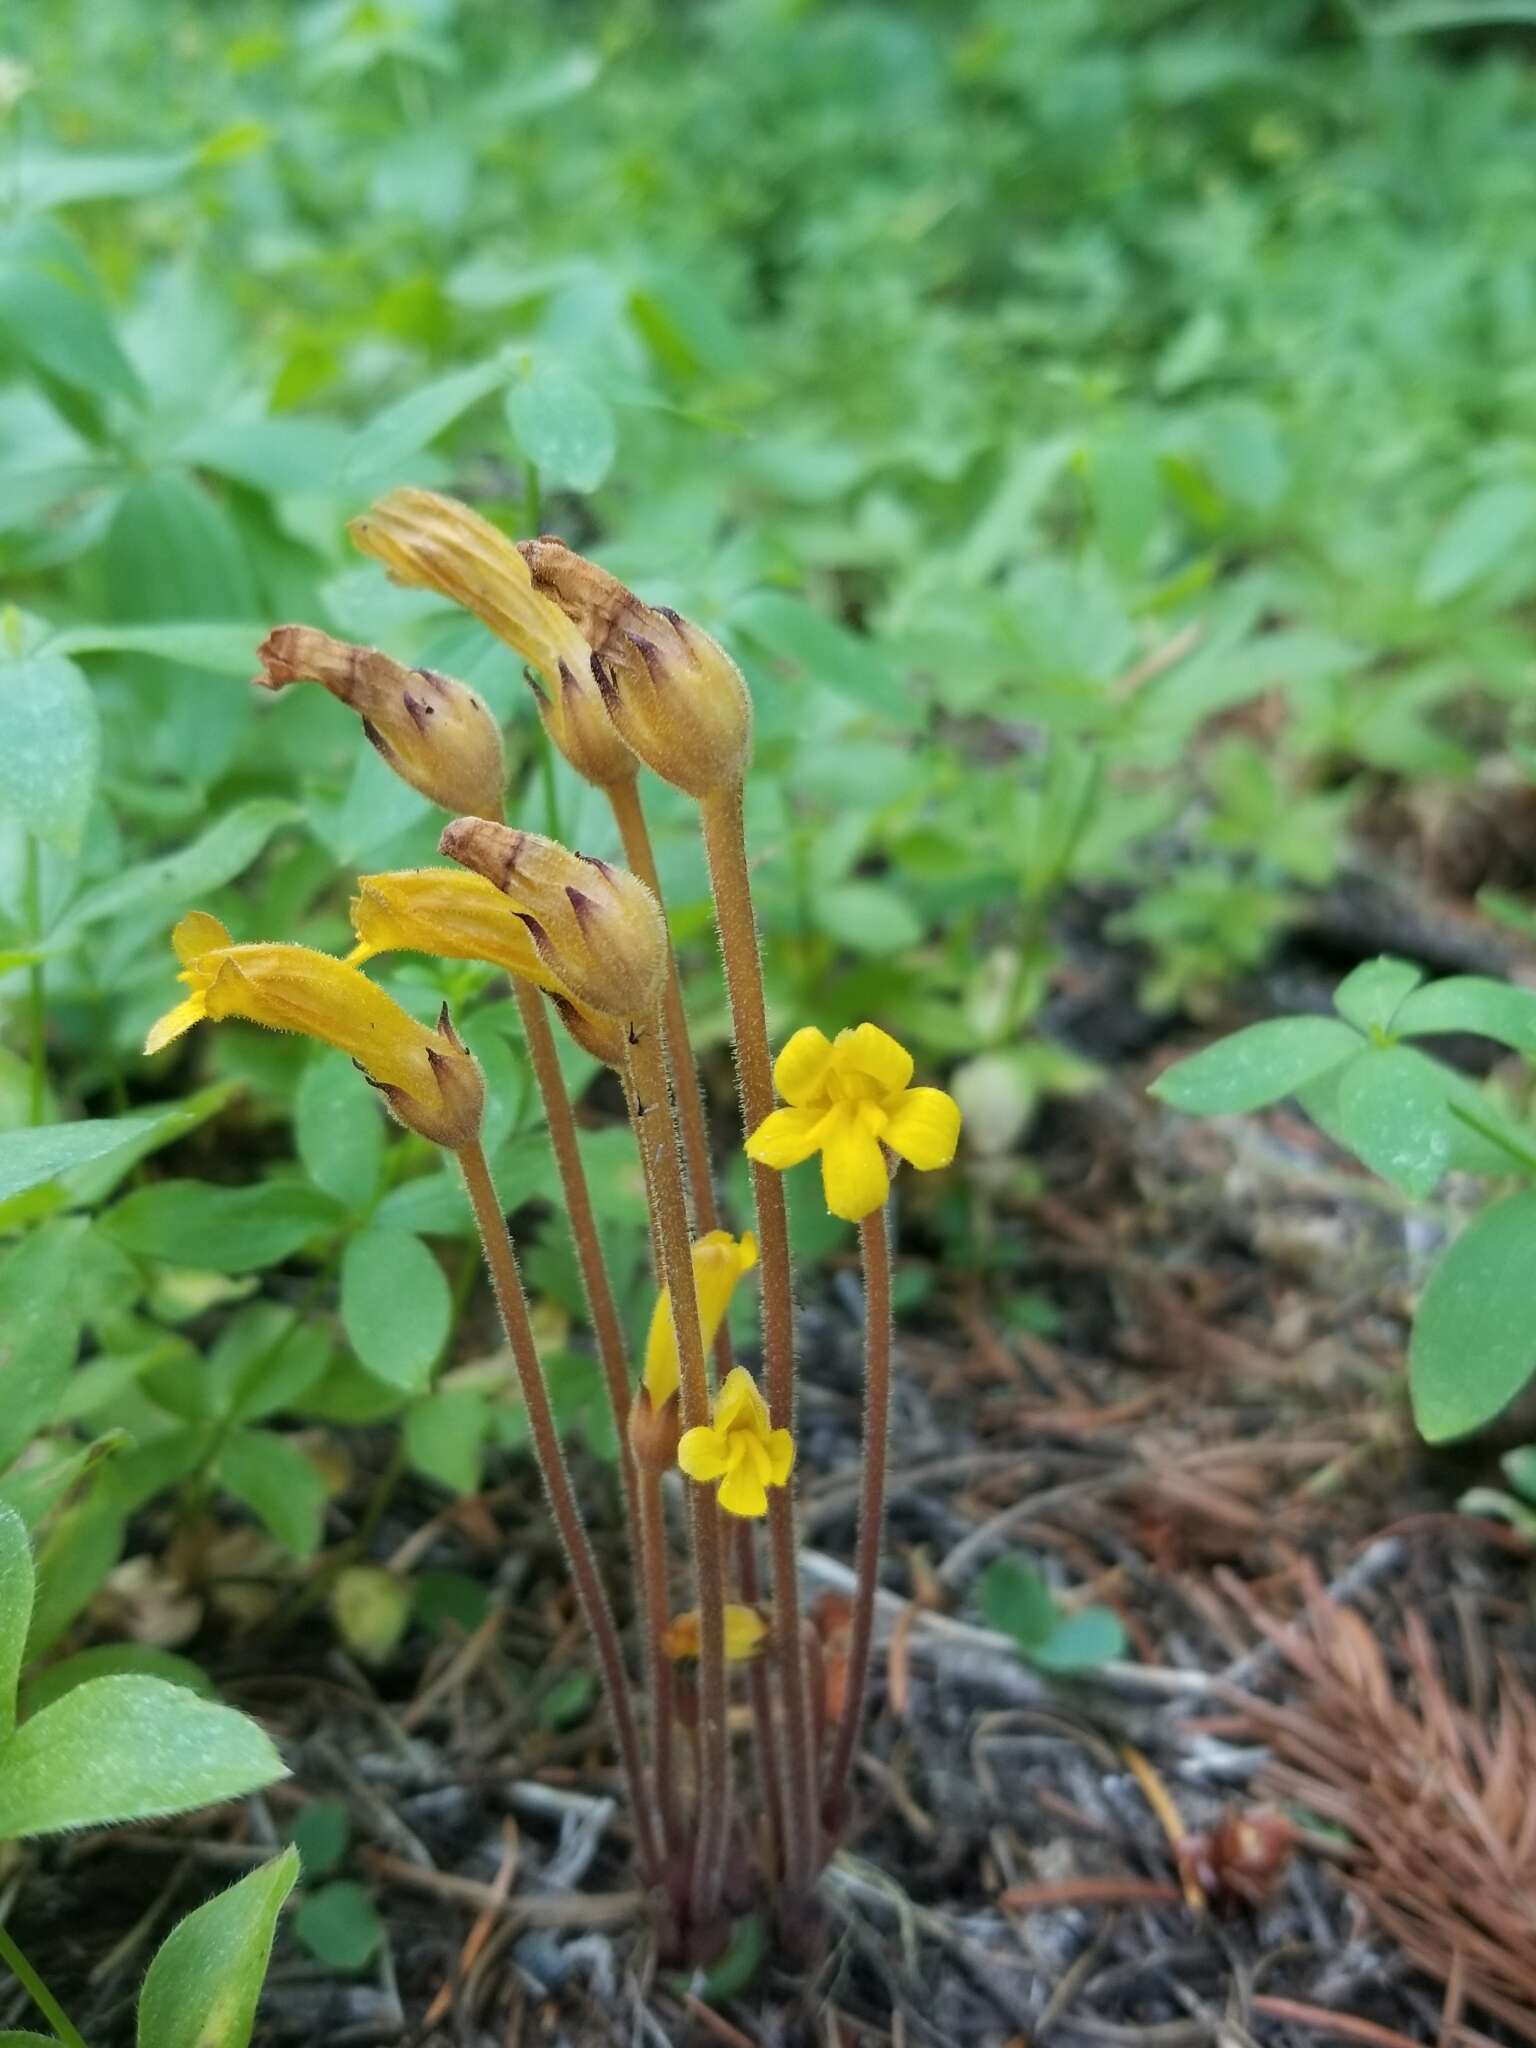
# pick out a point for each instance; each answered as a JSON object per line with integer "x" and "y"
{"x": 37, "y": 1991}
{"x": 656, "y": 1135}
{"x": 874, "y": 1244}
{"x": 513, "y": 1304}
{"x": 730, "y": 881}
{"x": 561, "y": 1121}
{"x": 624, "y": 797}
{"x": 658, "y": 1613}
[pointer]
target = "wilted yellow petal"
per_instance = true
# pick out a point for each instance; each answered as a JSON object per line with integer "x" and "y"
{"x": 719, "y": 1260}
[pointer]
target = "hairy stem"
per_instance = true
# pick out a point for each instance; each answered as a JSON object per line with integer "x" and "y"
{"x": 725, "y": 846}
{"x": 639, "y": 853}
{"x": 764, "y": 1727}
{"x": 513, "y": 1304}
{"x": 37, "y": 1991}
{"x": 658, "y": 1613}
{"x": 561, "y": 1120}
{"x": 874, "y": 1244}
{"x": 657, "y": 1137}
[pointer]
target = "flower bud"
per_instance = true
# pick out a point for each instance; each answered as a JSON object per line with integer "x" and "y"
{"x": 440, "y": 544}
{"x": 454, "y": 1116}
{"x": 435, "y": 733}
{"x": 674, "y": 693}
{"x": 597, "y": 927}
{"x": 654, "y": 1433}
{"x": 605, "y": 1038}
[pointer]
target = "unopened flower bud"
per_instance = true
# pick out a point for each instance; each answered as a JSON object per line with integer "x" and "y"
{"x": 654, "y": 1433}
{"x": 440, "y": 544}
{"x": 605, "y": 1038}
{"x": 674, "y": 693}
{"x": 434, "y": 732}
{"x": 452, "y": 1116}
{"x": 598, "y": 927}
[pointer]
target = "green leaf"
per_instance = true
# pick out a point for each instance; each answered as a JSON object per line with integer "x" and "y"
{"x": 50, "y": 748}
{"x": 1017, "y": 1602}
{"x": 1393, "y": 1116}
{"x": 1519, "y": 1468}
{"x": 340, "y": 1925}
{"x": 563, "y": 426}
{"x": 445, "y": 1438}
{"x": 17, "y": 1584}
{"x": 223, "y": 1230}
{"x": 126, "y": 1749}
{"x": 170, "y": 882}
{"x": 113, "y": 1660}
{"x": 339, "y": 1131}
{"x": 321, "y": 1832}
{"x": 1482, "y": 532}
{"x": 172, "y": 552}
{"x": 228, "y": 650}
{"x": 1474, "y": 1337}
{"x": 827, "y": 653}
{"x": 1257, "y": 1066}
{"x": 568, "y": 1701}
{"x": 38, "y": 177}
{"x": 53, "y": 314}
{"x": 278, "y": 1484}
{"x": 31, "y": 1157}
{"x": 1080, "y": 1641}
{"x": 82, "y": 1546}
{"x": 202, "y": 1988}
{"x": 408, "y": 426}
{"x": 11, "y": 2039}
{"x": 395, "y": 1305}
{"x": 1371, "y": 996}
{"x": 867, "y": 917}
{"x": 1472, "y": 1002}
{"x": 39, "y": 1330}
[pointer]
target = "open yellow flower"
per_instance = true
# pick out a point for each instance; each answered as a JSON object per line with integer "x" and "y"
{"x": 738, "y": 1447}
{"x": 850, "y": 1099}
{"x": 430, "y": 1081}
{"x": 455, "y": 915}
{"x": 719, "y": 1261}
{"x": 746, "y": 1631}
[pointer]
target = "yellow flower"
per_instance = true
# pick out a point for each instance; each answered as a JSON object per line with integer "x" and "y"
{"x": 426, "y": 1075}
{"x": 719, "y": 1260}
{"x": 427, "y": 540}
{"x": 455, "y": 915}
{"x": 435, "y": 733}
{"x": 849, "y": 1100}
{"x": 739, "y": 1448}
{"x": 746, "y": 1630}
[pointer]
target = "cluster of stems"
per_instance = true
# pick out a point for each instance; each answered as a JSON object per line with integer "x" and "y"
{"x": 621, "y": 684}
{"x": 701, "y": 1847}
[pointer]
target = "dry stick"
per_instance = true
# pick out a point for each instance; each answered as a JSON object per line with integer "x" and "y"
{"x": 725, "y": 846}
{"x": 656, "y": 1135}
{"x": 629, "y": 815}
{"x": 644, "y": 1521}
{"x": 512, "y": 1302}
{"x": 874, "y": 1243}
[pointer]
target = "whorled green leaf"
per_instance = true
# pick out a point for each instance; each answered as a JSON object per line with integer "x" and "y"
{"x": 1256, "y": 1066}
{"x": 563, "y": 426}
{"x": 203, "y": 1986}
{"x": 1471, "y": 1002}
{"x": 395, "y": 1305}
{"x": 50, "y": 747}
{"x": 220, "y": 1229}
{"x": 1474, "y": 1337}
{"x": 278, "y": 1484}
{"x": 17, "y": 1584}
{"x": 127, "y": 1748}
{"x": 1371, "y": 996}
{"x": 1394, "y": 1117}
{"x": 339, "y": 1130}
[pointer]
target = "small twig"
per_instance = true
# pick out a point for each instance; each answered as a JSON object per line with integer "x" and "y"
{"x": 1347, "y": 2025}
{"x": 555, "y": 1909}
{"x": 1090, "y": 1891}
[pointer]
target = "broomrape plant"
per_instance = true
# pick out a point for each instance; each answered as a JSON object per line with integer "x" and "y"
{"x": 619, "y": 685}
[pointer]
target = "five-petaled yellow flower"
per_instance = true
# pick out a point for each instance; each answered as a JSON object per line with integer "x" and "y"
{"x": 746, "y": 1631}
{"x": 850, "y": 1099}
{"x": 719, "y": 1261}
{"x": 738, "y": 1448}
{"x": 428, "y": 1078}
